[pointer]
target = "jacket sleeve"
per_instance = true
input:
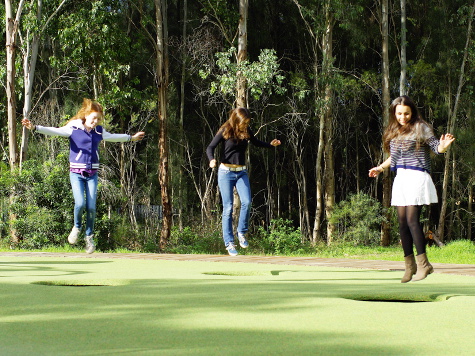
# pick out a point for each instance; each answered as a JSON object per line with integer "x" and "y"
{"x": 64, "y": 131}
{"x": 107, "y": 136}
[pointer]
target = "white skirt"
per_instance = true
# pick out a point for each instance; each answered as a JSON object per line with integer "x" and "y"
{"x": 413, "y": 187}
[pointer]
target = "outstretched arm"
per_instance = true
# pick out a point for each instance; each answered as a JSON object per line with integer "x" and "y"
{"x": 374, "y": 172}
{"x": 444, "y": 142}
{"x": 27, "y": 123}
{"x": 138, "y": 136}
{"x": 63, "y": 131}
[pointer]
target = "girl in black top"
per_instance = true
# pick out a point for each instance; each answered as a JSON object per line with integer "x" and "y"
{"x": 235, "y": 135}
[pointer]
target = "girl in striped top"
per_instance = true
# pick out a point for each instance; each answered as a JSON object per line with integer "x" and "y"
{"x": 409, "y": 140}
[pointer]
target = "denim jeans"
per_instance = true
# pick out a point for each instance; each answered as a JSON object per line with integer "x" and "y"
{"x": 227, "y": 180}
{"x": 85, "y": 194}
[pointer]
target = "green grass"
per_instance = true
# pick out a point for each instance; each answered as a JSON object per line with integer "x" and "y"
{"x": 99, "y": 306}
{"x": 458, "y": 252}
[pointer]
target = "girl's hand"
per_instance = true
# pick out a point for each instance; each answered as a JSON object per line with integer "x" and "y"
{"x": 444, "y": 142}
{"x": 27, "y": 123}
{"x": 212, "y": 163}
{"x": 275, "y": 142}
{"x": 138, "y": 136}
{"x": 374, "y": 172}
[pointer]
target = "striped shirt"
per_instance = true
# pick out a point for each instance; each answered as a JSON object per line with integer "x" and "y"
{"x": 406, "y": 152}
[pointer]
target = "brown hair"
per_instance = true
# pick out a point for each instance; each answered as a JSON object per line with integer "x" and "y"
{"x": 88, "y": 106}
{"x": 395, "y": 129}
{"x": 237, "y": 124}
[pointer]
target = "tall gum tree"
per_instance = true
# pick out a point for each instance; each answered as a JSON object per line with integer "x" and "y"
{"x": 451, "y": 124}
{"x": 12, "y": 26}
{"x": 31, "y": 43}
{"x": 385, "y": 228}
{"x": 162, "y": 83}
{"x": 325, "y": 176}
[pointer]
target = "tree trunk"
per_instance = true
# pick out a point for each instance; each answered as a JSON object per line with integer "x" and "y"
{"x": 451, "y": 126}
{"x": 181, "y": 182}
{"x": 385, "y": 228}
{"x": 241, "y": 87}
{"x": 329, "y": 173}
{"x": 470, "y": 209}
{"x": 317, "y": 226}
{"x": 402, "y": 80}
{"x": 162, "y": 82}
{"x": 11, "y": 27}
{"x": 241, "y": 97}
{"x": 29, "y": 66}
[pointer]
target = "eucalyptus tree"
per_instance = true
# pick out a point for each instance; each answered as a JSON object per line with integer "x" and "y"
{"x": 320, "y": 18}
{"x": 386, "y": 98}
{"x": 162, "y": 83}
{"x": 241, "y": 92}
{"x": 403, "y": 76}
{"x": 12, "y": 26}
{"x": 453, "y": 117}
{"x": 38, "y": 22}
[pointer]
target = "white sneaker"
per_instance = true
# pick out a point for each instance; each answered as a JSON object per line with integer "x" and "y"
{"x": 90, "y": 246}
{"x": 242, "y": 240}
{"x": 231, "y": 249}
{"x": 73, "y": 235}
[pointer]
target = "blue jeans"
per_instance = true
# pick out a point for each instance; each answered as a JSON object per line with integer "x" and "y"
{"x": 85, "y": 194}
{"x": 227, "y": 180}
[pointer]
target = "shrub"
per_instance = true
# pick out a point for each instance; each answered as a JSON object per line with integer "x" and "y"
{"x": 281, "y": 238}
{"x": 196, "y": 240}
{"x": 358, "y": 220}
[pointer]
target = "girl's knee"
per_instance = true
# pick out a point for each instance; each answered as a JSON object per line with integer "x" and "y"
{"x": 228, "y": 210}
{"x": 80, "y": 205}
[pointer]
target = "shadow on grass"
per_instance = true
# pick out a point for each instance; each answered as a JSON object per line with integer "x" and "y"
{"x": 36, "y": 268}
{"x": 183, "y": 311}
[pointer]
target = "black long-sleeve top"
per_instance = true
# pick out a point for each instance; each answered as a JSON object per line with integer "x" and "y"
{"x": 233, "y": 151}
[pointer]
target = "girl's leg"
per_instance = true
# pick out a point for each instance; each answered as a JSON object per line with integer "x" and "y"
{"x": 404, "y": 231}
{"x": 244, "y": 190}
{"x": 91, "y": 197}
{"x": 78, "y": 186}
{"x": 226, "y": 183}
{"x": 413, "y": 214}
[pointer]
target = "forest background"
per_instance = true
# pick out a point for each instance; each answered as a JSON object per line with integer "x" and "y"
{"x": 317, "y": 74}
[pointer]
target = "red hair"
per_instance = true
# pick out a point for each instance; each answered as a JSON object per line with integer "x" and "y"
{"x": 88, "y": 106}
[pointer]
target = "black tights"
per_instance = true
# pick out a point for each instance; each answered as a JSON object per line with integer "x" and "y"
{"x": 410, "y": 229}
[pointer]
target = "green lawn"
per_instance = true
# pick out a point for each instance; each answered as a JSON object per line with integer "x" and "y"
{"x": 100, "y": 306}
{"x": 458, "y": 252}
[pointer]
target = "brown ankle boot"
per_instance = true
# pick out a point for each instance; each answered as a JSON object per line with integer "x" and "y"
{"x": 424, "y": 268}
{"x": 411, "y": 268}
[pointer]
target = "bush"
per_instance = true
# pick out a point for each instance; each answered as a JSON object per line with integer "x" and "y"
{"x": 358, "y": 220}
{"x": 39, "y": 209}
{"x": 281, "y": 238}
{"x": 200, "y": 240}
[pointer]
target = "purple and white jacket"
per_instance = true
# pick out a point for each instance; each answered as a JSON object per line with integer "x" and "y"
{"x": 83, "y": 145}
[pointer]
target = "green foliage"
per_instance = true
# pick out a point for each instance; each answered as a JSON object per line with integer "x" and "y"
{"x": 262, "y": 76}
{"x": 281, "y": 238}
{"x": 36, "y": 199}
{"x": 358, "y": 220}
{"x": 200, "y": 240}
